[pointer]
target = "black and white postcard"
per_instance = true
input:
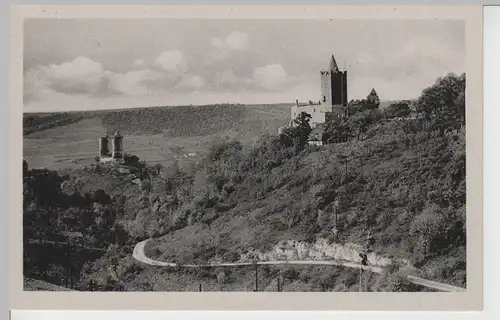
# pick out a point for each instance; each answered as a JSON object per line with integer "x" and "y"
{"x": 246, "y": 157}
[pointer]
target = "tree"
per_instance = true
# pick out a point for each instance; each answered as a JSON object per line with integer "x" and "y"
{"x": 298, "y": 134}
{"x": 131, "y": 160}
{"x": 303, "y": 120}
{"x": 104, "y": 216}
{"x": 222, "y": 149}
{"x": 429, "y": 230}
{"x": 101, "y": 197}
{"x": 443, "y": 104}
{"x": 337, "y": 129}
{"x": 25, "y": 168}
{"x": 398, "y": 110}
{"x": 87, "y": 218}
{"x": 43, "y": 188}
{"x": 361, "y": 121}
{"x": 69, "y": 220}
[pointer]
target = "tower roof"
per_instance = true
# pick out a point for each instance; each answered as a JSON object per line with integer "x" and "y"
{"x": 373, "y": 92}
{"x": 333, "y": 64}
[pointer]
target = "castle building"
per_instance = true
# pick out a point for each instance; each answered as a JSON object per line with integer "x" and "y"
{"x": 373, "y": 97}
{"x": 333, "y": 102}
{"x": 333, "y": 96}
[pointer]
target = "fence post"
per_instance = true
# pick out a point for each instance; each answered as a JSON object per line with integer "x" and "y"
{"x": 278, "y": 283}
{"x": 200, "y": 287}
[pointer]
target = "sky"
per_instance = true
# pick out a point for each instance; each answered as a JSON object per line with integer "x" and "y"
{"x": 78, "y": 64}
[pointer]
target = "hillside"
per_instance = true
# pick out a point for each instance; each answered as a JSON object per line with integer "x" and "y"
{"x": 37, "y": 285}
{"x": 391, "y": 186}
{"x": 39, "y": 122}
{"x": 401, "y": 180}
{"x": 183, "y": 121}
{"x": 158, "y": 134}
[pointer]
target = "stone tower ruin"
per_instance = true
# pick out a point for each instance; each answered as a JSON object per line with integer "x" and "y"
{"x": 117, "y": 146}
{"x": 104, "y": 147}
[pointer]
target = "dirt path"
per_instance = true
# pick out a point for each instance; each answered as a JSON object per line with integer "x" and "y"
{"x": 140, "y": 256}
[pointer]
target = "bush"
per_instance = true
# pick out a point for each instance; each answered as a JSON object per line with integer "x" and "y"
{"x": 396, "y": 282}
{"x": 132, "y": 161}
{"x": 101, "y": 197}
{"x": 223, "y": 149}
{"x": 399, "y": 109}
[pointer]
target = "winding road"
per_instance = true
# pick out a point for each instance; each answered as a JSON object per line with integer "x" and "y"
{"x": 140, "y": 256}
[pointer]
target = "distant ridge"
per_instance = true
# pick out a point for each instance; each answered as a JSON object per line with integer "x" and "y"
{"x": 95, "y": 112}
{"x": 245, "y": 121}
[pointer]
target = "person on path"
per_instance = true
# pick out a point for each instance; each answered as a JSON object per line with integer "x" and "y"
{"x": 370, "y": 241}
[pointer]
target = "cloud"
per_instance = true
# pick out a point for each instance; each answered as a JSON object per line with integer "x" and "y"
{"x": 192, "y": 82}
{"x": 172, "y": 61}
{"x": 133, "y": 83}
{"x": 224, "y": 47}
{"x": 421, "y": 56}
{"x": 79, "y": 67}
{"x": 225, "y": 77}
{"x": 405, "y": 70}
{"x": 148, "y": 87}
{"x": 271, "y": 77}
{"x": 139, "y": 62}
{"x": 83, "y": 76}
{"x": 237, "y": 41}
{"x": 79, "y": 76}
{"x": 228, "y": 80}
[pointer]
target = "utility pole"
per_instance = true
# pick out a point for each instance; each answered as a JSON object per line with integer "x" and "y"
{"x": 360, "y": 278}
{"x": 256, "y": 278}
{"x": 335, "y": 218}
{"x": 345, "y": 162}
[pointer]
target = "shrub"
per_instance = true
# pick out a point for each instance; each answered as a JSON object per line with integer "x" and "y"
{"x": 101, "y": 197}
{"x": 395, "y": 282}
{"x": 131, "y": 160}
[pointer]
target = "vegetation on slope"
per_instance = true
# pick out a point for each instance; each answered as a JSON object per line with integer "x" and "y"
{"x": 63, "y": 229}
{"x": 39, "y": 122}
{"x": 194, "y": 120}
{"x": 404, "y": 181}
{"x": 174, "y": 121}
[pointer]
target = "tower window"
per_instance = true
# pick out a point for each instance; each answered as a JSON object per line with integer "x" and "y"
{"x": 324, "y": 98}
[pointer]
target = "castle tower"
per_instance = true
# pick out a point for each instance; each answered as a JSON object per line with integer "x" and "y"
{"x": 104, "y": 146}
{"x": 334, "y": 85}
{"x": 117, "y": 145}
{"x": 373, "y": 97}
